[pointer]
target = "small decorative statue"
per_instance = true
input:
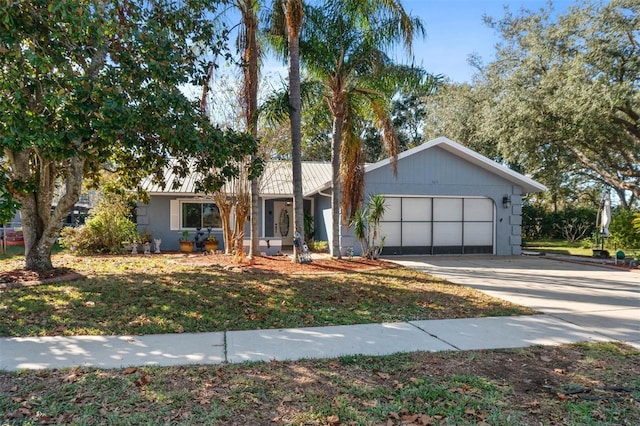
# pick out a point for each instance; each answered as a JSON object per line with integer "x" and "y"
{"x": 146, "y": 247}
{"x": 157, "y": 242}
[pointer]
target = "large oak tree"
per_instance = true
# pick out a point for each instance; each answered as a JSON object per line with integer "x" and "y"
{"x": 566, "y": 92}
{"x": 92, "y": 84}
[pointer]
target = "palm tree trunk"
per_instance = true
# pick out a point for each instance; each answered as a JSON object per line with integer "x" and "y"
{"x": 336, "y": 193}
{"x": 293, "y": 14}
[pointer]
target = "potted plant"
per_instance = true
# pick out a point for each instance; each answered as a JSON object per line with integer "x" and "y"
{"x": 145, "y": 240}
{"x": 211, "y": 243}
{"x": 186, "y": 244}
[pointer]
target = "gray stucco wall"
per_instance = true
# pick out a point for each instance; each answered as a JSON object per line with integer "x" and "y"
{"x": 156, "y": 216}
{"x": 320, "y": 227}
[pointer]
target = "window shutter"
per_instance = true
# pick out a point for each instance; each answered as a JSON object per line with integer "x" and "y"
{"x": 174, "y": 215}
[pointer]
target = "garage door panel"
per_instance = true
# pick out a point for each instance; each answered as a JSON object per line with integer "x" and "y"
{"x": 392, "y": 232}
{"x": 478, "y": 250}
{"x": 447, "y": 234}
{"x": 416, "y": 233}
{"x": 447, "y": 250}
{"x": 478, "y": 233}
{"x": 416, "y": 209}
{"x": 447, "y": 209}
{"x": 393, "y": 210}
{"x": 478, "y": 209}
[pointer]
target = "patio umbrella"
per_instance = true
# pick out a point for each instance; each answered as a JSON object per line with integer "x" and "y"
{"x": 605, "y": 218}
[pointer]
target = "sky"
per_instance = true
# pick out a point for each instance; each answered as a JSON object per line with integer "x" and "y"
{"x": 455, "y": 30}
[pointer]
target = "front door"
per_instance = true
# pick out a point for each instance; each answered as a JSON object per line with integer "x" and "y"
{"x": 283, "y": 222}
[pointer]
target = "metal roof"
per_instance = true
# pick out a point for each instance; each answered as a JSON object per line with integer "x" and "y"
{"x": 276, "y": 180}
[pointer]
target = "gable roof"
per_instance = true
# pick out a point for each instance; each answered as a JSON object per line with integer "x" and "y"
{"x": 527, "y": 184}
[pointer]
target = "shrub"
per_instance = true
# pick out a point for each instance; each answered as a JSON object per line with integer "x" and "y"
{"x": 108, "y": 226}
{"x": 570, "y": 224}
{"x": 622, "y": 229}
{"x": 308, "y": 227}
{"x": 636, "y": 222}
{"x": 366, "y": 226}
{"x": 318, "y": 246}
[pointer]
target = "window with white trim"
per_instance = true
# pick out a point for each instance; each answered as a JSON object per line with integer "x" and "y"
{"x": 189, "y": 214}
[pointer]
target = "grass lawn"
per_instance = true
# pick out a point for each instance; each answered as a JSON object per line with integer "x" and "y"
{"x": 158, "y": 294}
{"x": 584, "y": 384}
{"x": 573, "y": 248}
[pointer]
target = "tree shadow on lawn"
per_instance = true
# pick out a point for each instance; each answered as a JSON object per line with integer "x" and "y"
{"x": 210, "y": 299}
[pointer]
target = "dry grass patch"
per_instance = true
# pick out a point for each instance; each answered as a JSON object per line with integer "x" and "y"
{"x": 164, "y": 294}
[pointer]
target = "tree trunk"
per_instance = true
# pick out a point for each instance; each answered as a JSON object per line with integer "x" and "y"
{"x": 224, "y": 206}
{"x": 254, "y": 249}
{"x": 336, "y": 193}
{"x": 41, "y": 223}
{"x": 293, "y": 13}
{"x": 250, "y": 70}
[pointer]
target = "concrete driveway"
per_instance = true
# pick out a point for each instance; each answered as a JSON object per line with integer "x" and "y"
{"x": 602, "y": 300}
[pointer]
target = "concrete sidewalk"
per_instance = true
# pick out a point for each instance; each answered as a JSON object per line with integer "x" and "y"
{"x": 288, "y": 344}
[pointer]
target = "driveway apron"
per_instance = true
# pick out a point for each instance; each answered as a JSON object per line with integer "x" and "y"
{"x": 602, "y": 300}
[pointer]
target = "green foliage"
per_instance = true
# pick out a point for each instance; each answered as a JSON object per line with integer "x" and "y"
{"x": 145, "y": 237}
{"x": 622, "y": 229}
{"x": 8, "y": 203}
{"x": 309, "y": 230}
{"x": 108, "y": 227}
{"x": 366, "y": 226}
{"x": 86, "y": 85}
{"x": 539, "y": 223}
{"x": 319, "y": 246}
{"x": 564, "y": 94}
{"x": 344, "y": 47}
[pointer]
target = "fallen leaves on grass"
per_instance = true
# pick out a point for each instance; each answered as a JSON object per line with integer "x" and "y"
{"x": 126, "y": 295}
{"x": 437, "y": 388}
{"x": 143, "y": 380}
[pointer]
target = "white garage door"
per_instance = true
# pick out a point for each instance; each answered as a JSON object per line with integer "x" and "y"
{"x": 438, "y": 225}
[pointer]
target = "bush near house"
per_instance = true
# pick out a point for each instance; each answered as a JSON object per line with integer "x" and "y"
{"x": 570, "y": 224}
{"x": 623, "y": 233}
{"x": 108, "y": 227}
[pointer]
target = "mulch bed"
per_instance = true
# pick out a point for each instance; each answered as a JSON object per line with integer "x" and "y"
{"x": 23, "y": 278}
{"x": 284, "y": 265}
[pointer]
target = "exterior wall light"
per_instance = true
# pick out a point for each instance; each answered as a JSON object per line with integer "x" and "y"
{"x": 506, "y": 201}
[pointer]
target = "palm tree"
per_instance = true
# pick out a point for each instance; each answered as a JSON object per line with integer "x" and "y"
{"x": 343, "y": 46}
{"x": 286, "y": 24}
{"x": 293, "y": 10}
